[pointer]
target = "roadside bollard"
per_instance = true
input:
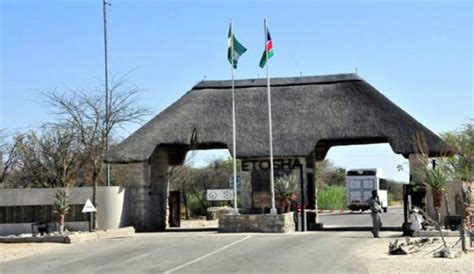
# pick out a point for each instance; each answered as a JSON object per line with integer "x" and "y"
{"x": 299, "y": 221}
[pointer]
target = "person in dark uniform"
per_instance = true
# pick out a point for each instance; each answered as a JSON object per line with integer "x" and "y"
{"x": 293, "y": 203}
{"x": 293, "y": 207}
{"x": 375, "y": 211}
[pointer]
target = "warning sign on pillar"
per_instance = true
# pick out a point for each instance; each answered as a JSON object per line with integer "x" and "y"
{"x": 88, "y": 207}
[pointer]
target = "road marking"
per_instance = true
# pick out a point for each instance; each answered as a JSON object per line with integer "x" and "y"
{"x": 207, "y": 255}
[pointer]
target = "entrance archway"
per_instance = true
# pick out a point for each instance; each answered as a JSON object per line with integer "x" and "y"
{"x": 201, "y": 170}
{"x": 356, "y": 158}
{"x": 310, "y": 114}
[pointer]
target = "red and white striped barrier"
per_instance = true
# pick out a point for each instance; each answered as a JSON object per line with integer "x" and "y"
{"x": 335, "y": 211}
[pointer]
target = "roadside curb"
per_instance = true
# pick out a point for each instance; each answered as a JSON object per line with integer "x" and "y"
{"x": 435, "y": 233}
{"x": 125, "y": 232}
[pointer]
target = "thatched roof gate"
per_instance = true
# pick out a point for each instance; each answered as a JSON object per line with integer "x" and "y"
{"x": 309, "y": 114}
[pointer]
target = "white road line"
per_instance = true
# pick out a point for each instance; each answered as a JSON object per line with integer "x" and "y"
{"x": 207, "y": 255}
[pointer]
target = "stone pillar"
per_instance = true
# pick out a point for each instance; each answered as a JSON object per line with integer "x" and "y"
{"x": 137, "y": 195}
{"x": 157, "y": 208}
{"x": 417, "y": 177}
{"x": 147, "y": 196}
{"x": 246, "y": 193}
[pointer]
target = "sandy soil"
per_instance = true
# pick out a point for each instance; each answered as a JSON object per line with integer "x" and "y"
{"x": 199, "y": 223}
{"x": 373, "y": 254}
{"x": 10, "y": 252}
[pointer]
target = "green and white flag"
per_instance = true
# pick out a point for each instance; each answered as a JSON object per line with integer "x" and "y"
{"x": 235, "y": 49}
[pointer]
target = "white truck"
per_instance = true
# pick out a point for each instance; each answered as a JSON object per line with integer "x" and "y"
{"x": 359, "y": 186}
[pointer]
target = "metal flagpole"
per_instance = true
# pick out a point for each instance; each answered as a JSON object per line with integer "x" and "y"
{"x": 107, "y": 99}
{"x": 273, "y": 210}
{"x": 233, "y": 118}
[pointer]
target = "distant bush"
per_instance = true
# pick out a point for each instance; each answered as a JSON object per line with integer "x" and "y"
{"x": 390, "y": 199}
{"x": 196, "y": 208}
{"x": 332, "y": 197}
{"x": 199, "y": 207}
{"x": 395, "y": 189}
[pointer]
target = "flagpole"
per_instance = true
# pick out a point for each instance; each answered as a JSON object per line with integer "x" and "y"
{"x": 107, "y": 99}
{"x": 233, "y": 120}
{"x": 273, "y": 210}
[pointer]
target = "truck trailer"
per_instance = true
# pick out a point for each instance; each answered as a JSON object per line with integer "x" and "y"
{"x": 359, "y": 186}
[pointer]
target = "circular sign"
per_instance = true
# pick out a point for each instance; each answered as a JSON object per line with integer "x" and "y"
{"x": 212, "y": 195}
{"x": 228, "y": 194}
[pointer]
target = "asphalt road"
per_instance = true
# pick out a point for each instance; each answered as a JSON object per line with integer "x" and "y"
{"x": 203, "y": 252}
{"x": 393, "y": 218}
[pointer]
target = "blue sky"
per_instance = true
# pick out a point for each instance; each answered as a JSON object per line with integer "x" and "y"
{"x": 418, "y": 54}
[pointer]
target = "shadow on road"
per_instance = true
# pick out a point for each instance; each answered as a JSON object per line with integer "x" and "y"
{"x": 199, "y": 229}
{"x": 361, "y": 228}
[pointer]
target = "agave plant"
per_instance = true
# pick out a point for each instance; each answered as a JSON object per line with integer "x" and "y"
{"x": 286, "y": 184}
{"x": 435, "y": 177}
{"x": 61, "y": 207}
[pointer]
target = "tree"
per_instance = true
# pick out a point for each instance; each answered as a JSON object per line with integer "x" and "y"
{"x": 329, "y": 174}
{"x": 49, "y": 158}
{"x": 83, "y": 112}
{"x": 214, "y": 176}
{"x": 395, "y": 190}
{"x": 462, "y": 140}
{"x": 8, "y": 153}
{"x": 193, "y": 182}
{"x": 180, "y": 178}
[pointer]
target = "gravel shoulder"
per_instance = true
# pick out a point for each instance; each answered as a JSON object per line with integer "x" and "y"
{"x": 9, "y": 252}
{"x": 373, "y": 253}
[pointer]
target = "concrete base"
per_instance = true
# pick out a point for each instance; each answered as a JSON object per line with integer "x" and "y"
{"x": 281, "y": 223}
{"x": 74, "y": 238}
{"x": 434, "y": 233}
{"x": 315, "y": 226}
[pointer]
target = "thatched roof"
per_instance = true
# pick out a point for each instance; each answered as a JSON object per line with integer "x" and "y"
{"x": 308, "y": 113}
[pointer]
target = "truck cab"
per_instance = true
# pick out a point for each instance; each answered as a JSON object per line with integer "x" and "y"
{"x": 359, "y": 186}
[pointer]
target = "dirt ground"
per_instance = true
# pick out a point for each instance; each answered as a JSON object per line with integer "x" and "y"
{"x": 10, "y": 252}
{"x": 199, "y": 223}
{"x": 374, "y": 255}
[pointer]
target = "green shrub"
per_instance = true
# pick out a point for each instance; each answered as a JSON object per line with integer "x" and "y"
{"x": 332, "y": 197}
{"x": 390, "y": 199}
{"x": 195, "y": 207}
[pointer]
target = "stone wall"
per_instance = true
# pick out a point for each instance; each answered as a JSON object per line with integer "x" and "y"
{"x": 111, "y": 206}
{"x": 454, "y": 201}
{"x": 281, "y": 223}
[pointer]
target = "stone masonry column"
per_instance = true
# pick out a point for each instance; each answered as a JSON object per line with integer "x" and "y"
{"x": 416, "y": 178}
{"x": 157, "y": 208}
{"x": 137, "y": 195}
{"x": 246, "y": 193}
